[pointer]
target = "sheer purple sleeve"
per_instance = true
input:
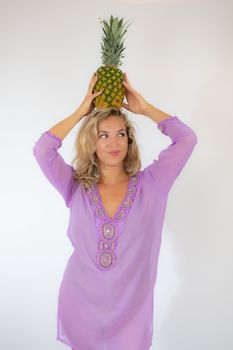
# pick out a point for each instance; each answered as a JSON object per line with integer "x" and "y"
{"x": 52, "y": 164}
{"x": 171, "y": 160}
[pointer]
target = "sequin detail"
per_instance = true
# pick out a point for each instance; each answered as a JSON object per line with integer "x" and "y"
{"x": 108, "y": 228}
{"x": 108, "y": 231}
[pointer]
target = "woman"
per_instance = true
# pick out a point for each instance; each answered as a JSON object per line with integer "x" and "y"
{"x": 116, "y": 217}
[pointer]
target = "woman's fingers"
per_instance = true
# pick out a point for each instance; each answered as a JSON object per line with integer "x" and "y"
{"x": 97, "y": 93}
{"x": 92, "y": 78}
{"x": 127, "y": 84}
{"x": 127, "y": 79}
{"x": 92, "y": 82}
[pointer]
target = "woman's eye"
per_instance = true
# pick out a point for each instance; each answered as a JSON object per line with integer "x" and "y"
{"x": 121, "y": 133}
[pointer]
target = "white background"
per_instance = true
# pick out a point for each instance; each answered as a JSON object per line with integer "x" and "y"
{"x": 179, "y": 56}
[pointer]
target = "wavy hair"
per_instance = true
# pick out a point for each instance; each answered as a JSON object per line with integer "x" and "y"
{"x": 86, "y": 162}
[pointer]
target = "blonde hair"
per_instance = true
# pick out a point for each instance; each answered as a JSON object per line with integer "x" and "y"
{"x": 85, "y": 163}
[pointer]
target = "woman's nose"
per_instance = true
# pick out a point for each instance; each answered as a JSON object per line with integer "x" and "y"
{"x": 113, "y": 141}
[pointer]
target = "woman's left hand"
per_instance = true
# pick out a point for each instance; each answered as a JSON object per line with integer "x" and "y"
{"x": 135, "y": 101}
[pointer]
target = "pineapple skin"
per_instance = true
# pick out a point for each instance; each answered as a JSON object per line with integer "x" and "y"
{"x": 110, "y": 81}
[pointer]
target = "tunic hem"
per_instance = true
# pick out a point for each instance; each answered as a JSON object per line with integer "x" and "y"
{"x": 67, "y": 343}
{"x": 147, "y": 347}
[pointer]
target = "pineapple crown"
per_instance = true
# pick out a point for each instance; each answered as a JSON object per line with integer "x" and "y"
{"x": 112, "y": 44}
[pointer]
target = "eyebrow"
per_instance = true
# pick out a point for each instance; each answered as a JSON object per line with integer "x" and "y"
{"x": 107, "y": 131}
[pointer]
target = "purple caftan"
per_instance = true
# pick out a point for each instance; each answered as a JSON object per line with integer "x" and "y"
{"x": 105, "y": 298}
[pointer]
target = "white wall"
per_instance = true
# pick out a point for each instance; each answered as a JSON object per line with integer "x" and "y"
{"x": 179, "y": 56}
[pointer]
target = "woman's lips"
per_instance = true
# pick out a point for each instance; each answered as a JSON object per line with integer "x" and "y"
{"x": 114, "y": 154}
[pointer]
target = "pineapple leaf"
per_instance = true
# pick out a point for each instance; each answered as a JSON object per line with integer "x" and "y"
{"x": 111, "y": 22}
{"x": 105, "y": 32}
{"x": 115, "y": 25}
{"x": 120, "y": 23}
{"x": 106, "y": 27}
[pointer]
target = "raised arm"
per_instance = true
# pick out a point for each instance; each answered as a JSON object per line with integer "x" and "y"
{"x": 57, "y": 171}
{"x": 53, "y": 166}
{"x": 45, "y": 150}
{"x": 171, "y": 160}
{"x": 62, "y": 128}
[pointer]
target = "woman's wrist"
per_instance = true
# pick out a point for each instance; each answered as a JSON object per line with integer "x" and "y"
{"x": 155, "y": 114}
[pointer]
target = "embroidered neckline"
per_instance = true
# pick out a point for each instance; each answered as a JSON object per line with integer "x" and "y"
{"x": 120, "y": 206}
{"x": 108, "y": 229}
{"x": 96, "y": 200}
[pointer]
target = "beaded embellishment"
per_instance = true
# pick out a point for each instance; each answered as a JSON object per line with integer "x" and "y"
{"x": 108, "y": 229}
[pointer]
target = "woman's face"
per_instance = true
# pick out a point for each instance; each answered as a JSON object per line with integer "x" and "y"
{"x": 111, "y": 136}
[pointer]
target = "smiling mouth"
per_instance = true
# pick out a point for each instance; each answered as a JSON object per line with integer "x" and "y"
{"x": 115, "y": 153}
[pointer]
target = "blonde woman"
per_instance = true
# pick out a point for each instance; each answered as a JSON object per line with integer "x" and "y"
{"x": 116, "y": 218}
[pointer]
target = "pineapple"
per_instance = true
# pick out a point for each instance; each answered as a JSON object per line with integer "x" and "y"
{"x": 110, "y": 77}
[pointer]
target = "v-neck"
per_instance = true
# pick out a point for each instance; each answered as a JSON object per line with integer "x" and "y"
{"x": 109, "y": 228}
{"x": 120, "y": 206}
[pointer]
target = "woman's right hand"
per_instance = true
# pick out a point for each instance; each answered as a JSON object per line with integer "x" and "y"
{"x": 87, "y": 105}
